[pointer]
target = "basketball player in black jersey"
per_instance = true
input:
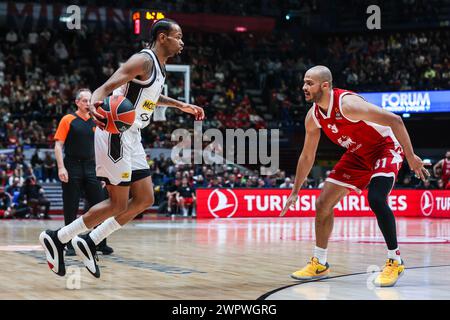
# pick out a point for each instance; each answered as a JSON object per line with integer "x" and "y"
{"x": 111, "y": 214}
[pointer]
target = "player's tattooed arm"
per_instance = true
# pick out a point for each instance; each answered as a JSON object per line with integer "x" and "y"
{"x": 129, "y": 70}
{"x": 169, "y": 102}
{"x": 197, "y": 111}
{"x": 134, "y": 67}
{"x": 147, "y": 66}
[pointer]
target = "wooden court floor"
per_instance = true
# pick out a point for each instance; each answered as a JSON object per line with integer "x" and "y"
{"x": 229, "y": 259}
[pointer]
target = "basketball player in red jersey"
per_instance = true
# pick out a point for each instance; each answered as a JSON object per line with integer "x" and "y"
{"x": 444, "y": 167}
{"x": 376, "y": 141}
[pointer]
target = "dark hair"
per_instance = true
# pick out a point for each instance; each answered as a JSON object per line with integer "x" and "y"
{"x": 160, "y": 26}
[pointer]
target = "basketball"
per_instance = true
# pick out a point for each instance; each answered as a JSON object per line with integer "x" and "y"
{"x": 119, "y": 114}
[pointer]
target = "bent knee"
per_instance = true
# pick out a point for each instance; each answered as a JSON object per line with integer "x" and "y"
{"x": 323, "y": 208}
{"x": 146, "y": 202}
{"x": 119, "y": 207}
{"x": 376, "y": 200}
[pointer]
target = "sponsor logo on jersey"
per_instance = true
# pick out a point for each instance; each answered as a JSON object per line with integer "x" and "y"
{"x": 338, "y": 114}
{"x": 149, "y": 105}
{"x": 346, "y": 142}
{"x": 356, "y": 148}
{"x": 125, "y": 175}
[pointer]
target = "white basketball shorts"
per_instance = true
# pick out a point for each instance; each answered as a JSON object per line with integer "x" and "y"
{"x": 120, "y": 158}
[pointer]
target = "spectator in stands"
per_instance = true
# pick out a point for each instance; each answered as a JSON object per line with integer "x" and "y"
{"x": 49, "y": 168}
{"x": 441, "y": 170}
{"x": 199, "y": 182}
{"x": 185, "y": 197}
{"x": 425, "y": 184}
{"x": 261, "y": 183}
{"x": 17, "y": 174}
{"x": 5, "y": 204}
{"x": 171, "y": 195}
{"x": 215, "y": 182}
{"x": 19, "y": 206}
{"x": 3, "y": 178}
{"x": 33, "y": 194}
{"x": 232, "y": 182}
{"x": 287, "y": 183}
{"x": 14, "y": 187}
{"x": 307, "y": 184}
{"x": 440, "y": 184}
{"x": 36, "y": 164}
{"x": 33, "y": 38}
{"x": 60, "y": 50}
{"x": 249, "y": 183}
{"x": 322, "y": 180}
{"x": 406, "y": 183}
{"x": 12, "y": 37}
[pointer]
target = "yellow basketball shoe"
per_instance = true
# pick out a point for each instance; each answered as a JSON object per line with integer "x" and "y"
{"x": 312, "y": 271}
{"x": 391, "y": 272}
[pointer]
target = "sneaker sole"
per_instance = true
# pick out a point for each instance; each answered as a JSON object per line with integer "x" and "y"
{"x": 86, "y": 261}
{"x": 53, "y": 263}
{"x": 310, "y": 278}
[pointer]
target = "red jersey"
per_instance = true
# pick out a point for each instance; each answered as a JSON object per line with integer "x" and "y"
{"x": 363, "y": 138}
{"x": 446, "y": 171}
{"x": 372, "y": 149}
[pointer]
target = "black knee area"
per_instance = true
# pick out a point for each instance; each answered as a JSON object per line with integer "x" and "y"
{"x": 379, "y": 189}
{"x": 377, "y": 200}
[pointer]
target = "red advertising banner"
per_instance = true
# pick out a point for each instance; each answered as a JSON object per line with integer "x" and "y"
{"x": 234, "y": 203}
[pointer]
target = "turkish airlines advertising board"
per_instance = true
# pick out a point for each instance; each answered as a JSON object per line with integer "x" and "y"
{"x": 235, "y": 203}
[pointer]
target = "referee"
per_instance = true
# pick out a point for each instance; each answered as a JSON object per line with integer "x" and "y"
{"x": 77, "y": 171}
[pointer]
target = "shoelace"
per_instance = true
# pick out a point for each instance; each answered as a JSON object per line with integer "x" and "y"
{"x": 313, "y": 262}
{"x": 388, "y": 269}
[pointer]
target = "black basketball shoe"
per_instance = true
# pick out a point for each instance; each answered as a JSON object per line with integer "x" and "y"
{"x": 85, "y": 248}
{"x": 104, "y": 248}
{"x": 70, "y": 251}
{"x": 54, "y": 251}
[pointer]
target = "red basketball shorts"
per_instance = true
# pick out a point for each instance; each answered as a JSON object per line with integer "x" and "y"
{"x": 355, "y": 173}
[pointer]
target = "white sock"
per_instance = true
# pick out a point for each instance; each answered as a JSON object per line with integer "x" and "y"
{"x": 394, "y": 254}
{"x": 320, "y": 254}
{"x": 65, "y": 234}
{"x": 104, "y": 230}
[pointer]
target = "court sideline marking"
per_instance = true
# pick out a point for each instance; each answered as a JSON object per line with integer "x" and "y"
{"x": 268, "y": 294}
{"x": 153, "y": 266}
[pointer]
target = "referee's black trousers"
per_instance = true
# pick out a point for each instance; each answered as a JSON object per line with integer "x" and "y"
{"x": 81, "y": 177}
